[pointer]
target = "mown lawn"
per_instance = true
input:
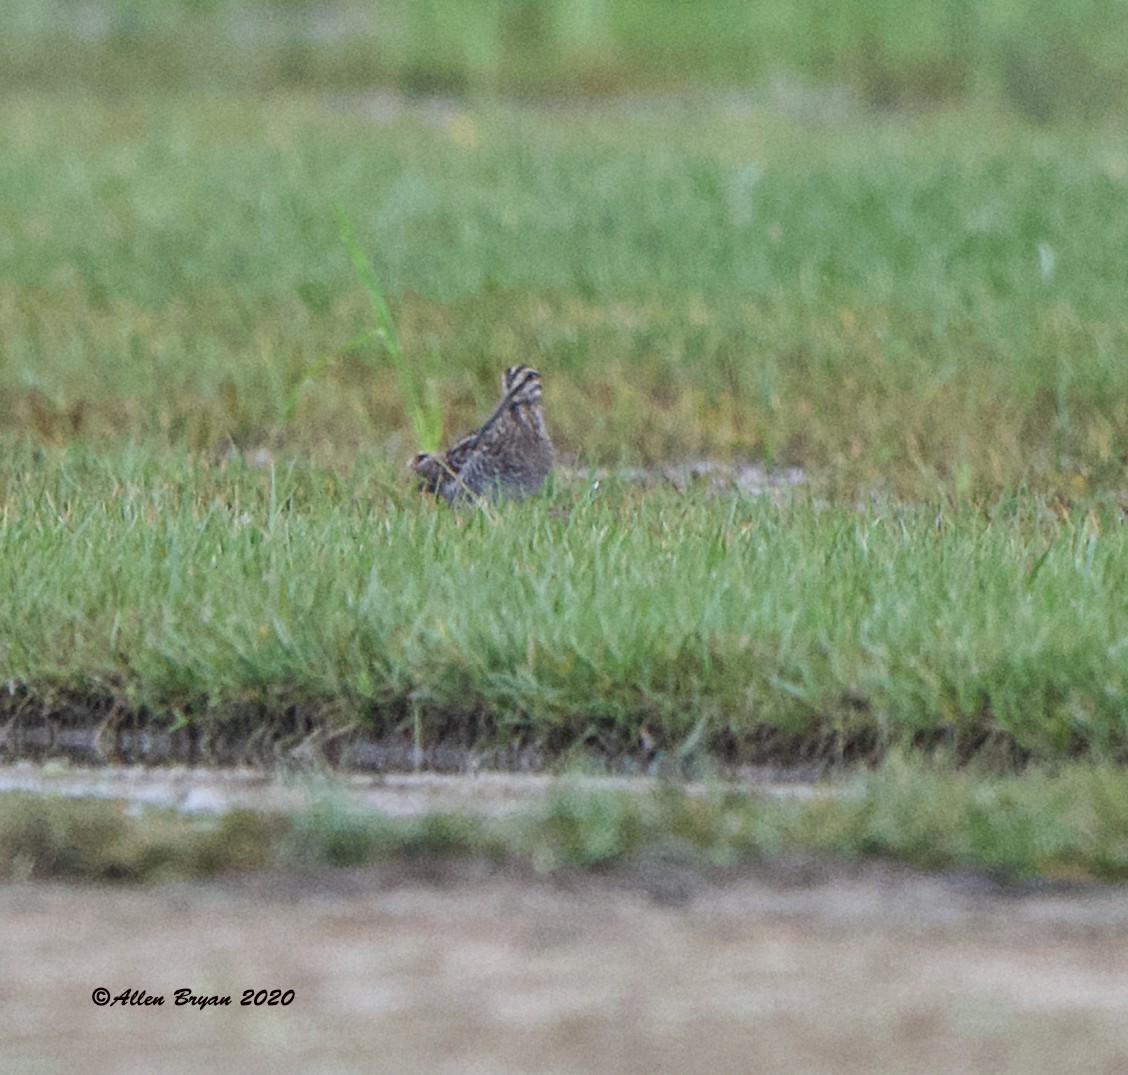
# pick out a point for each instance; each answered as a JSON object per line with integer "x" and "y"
{"x": 927, "y": 306}
{"x": 205, "y": 511}
{"x": 205, "y": 519}
{"x": 725, "y": 624}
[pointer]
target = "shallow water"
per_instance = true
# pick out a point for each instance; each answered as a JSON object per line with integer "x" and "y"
{"x": 216, "y": 790}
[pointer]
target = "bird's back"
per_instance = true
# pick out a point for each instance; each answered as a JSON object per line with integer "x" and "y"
{"x": 509, "y": 455}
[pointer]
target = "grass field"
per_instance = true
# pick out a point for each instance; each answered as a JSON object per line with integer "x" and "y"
{"x": 204, "y": 592}
{"x": 907, "y": 309}
{"x": 923, "y": 305}
{"x": 1047, "y": 59}
{"x": 204, "y": 515}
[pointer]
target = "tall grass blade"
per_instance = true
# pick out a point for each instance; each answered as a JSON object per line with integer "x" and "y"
{"x": 425, "y": 418}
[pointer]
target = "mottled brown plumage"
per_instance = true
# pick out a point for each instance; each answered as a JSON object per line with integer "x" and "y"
{"x": 508, "y": 455}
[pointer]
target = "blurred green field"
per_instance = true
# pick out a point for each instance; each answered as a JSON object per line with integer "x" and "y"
{"x": 922, "y": 307}
{"x": 1046, "y": 59}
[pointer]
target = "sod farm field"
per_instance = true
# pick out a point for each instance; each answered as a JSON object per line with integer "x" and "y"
{"x": 203, "y": 493}
{"x": 205, "y": 516}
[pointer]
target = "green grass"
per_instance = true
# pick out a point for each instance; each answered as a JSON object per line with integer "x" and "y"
{"x": 928, "y": 306}
{"x": 729, "y": 626}
{"x": 923, "y": 311}
{"x": 1046, "y": 59}
{"x": 426, "y": 419}
{"x": 1066, "y": 825}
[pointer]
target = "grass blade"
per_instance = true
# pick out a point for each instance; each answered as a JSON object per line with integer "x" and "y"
{"x": 423, "y": 414}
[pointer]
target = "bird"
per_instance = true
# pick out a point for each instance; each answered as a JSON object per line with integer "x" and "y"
{"x": 508, "y": 456}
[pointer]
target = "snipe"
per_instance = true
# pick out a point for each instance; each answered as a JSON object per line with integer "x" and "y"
{"x": 509, "y": 455}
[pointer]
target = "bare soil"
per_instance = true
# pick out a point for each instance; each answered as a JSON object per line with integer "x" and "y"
{"x": 457, "y": 967}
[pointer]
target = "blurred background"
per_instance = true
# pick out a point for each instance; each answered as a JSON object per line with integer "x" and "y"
{"x": 1047, "y": 59}
{"x": 881, "y": 244}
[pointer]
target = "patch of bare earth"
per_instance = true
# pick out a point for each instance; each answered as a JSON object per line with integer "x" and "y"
{"x": 437, "y": 967}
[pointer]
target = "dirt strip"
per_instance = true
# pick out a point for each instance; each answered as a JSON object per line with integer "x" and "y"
{"x": 436, "y": 968}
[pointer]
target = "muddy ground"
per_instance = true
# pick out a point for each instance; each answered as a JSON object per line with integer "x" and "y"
{"x": 452, "y": 967}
